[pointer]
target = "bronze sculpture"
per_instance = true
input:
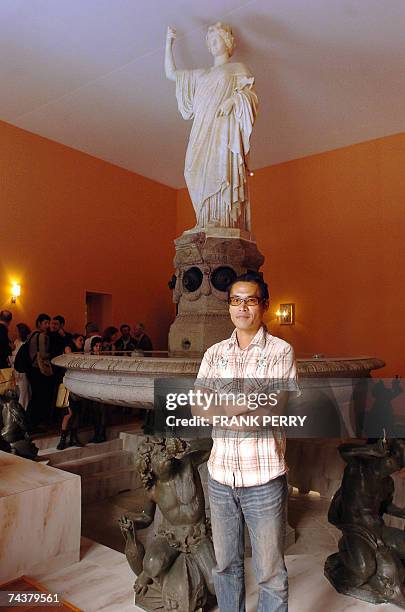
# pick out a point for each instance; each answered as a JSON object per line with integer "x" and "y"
{"x": 13, "y": 426}
{"x": 174, "y": 573}
{"x": 371, "y": 557}
{"x": 4, "y": 445}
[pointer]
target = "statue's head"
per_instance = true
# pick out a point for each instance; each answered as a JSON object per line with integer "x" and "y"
{"x": 220, "y": 39}
{"x": 155, "y": 458}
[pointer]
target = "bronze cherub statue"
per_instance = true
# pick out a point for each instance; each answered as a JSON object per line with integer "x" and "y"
{"x": 371, "y": 557}
{"x": 174, "y": 573}
{"x": 13, "y": 426}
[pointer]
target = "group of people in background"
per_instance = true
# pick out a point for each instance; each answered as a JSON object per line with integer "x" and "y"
{"x": 116, "y": 341}
{"x": 39, "y": 383}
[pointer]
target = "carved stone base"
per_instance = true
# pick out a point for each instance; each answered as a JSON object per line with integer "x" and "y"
{"x": 192, "y": 334}
{"x": 206, "y": 261}
{"x": 152, "y": 601}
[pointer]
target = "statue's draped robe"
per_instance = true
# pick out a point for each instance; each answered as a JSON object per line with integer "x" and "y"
{"x": 215, "y": 167}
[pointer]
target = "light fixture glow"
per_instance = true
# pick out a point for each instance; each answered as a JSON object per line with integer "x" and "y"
{"x": 15, "y": 292}
{"x": 286, "y": 314}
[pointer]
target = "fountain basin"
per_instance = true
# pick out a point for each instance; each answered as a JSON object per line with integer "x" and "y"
{"x": 129, "y": 381}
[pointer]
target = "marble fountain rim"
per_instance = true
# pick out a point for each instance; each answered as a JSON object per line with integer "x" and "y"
{"x": 129, "y": 381}
{"x": 141, "y": 366}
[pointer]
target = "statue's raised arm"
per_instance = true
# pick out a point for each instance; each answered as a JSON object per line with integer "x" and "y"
{"x": 170, "y": 66}
{"x": 222, "y": 103}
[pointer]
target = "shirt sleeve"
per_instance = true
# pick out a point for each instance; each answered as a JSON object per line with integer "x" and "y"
{"x": 205, "y": 376}
{"x": 288, "y": 379}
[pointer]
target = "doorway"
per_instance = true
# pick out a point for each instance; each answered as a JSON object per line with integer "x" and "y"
{"x": 99, "y": 308}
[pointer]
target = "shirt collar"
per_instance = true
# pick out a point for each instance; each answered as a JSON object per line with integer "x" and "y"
{"x": 258, "y": 340}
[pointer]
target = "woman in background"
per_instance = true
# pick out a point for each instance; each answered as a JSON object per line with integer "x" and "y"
{"x": 76, "y": 345}
{"x": 24, "y": 388}
{"x": 70, "y": 402}
{"x": 98, "y": 409}
{"x": 110, "y": 337}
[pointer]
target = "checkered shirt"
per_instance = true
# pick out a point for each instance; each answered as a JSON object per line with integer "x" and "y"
{"x": 240, "y": 458}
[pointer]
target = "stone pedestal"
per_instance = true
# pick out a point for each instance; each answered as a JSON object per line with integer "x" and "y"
{"x": 206, "y": 261}
{"x": 39, "y": 517}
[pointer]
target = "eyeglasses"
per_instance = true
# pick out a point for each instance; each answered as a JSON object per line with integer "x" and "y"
{"x": 249, "y": 301}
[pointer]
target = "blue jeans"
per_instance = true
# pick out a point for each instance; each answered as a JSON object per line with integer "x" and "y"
{"x": 263, "y": 508}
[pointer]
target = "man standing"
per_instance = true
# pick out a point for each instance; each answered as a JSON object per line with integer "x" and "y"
{"x": 58, "y": 337}
{"x": 5, "y": 346}
{"x": 247, "y": 470}
{"x": 126, "y": 341}
{"x": 40, "y": 374}
{"x": 142, "y": 341}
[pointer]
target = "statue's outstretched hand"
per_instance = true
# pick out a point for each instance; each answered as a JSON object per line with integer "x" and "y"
{"x": 170, "y": 35}
{"x": 125, "y": 524}
{"x": 142, "y": 583}
{"x": 226, "y": 108}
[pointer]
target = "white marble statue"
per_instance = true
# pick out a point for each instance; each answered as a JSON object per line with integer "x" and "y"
{"x": 223, "y": 104}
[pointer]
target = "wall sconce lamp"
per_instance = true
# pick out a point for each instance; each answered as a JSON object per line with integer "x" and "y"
{"x": 286, "y": 314}
{"x": 15, "y": 292}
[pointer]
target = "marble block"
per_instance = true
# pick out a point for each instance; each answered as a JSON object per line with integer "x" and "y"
{"x": 40, "y": 516}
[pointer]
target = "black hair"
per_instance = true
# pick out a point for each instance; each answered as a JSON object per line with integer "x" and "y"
{"x": 23, "y": 330}
{"x": 92, "y": 327}
{"x": 60, "y": 319}
{"x": 5, "y": 316}
{"x": 252, "y": 277}
{"x": 42, "y": 317}
{"x": 95, "y": 340}
{"x": 124, "y": 325}
{"x": 109, "y": 332}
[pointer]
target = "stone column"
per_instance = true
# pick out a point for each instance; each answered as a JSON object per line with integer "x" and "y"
{"x": 206, "y": 261}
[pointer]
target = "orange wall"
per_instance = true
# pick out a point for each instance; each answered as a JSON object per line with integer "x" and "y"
{"x": 71, "y": 223}
{"x": 332, "y": 229}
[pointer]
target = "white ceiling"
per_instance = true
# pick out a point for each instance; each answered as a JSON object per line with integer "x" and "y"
{"x": 89, "y": 74}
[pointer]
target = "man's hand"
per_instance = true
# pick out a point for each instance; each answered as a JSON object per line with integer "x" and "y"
{"x": 226, "y": 108}
{"x": 170, "y": 36}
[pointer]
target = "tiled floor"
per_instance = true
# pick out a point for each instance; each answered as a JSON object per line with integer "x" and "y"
{"x": 102, "y": 582}
{"x": 306, "y": 513}
{"x": 315, "y": 540}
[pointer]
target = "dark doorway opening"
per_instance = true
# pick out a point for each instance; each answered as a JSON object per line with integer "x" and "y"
{"x": 99, "y": 308}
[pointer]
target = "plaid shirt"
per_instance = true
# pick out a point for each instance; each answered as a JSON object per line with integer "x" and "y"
{"x": 238, "y": 458}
